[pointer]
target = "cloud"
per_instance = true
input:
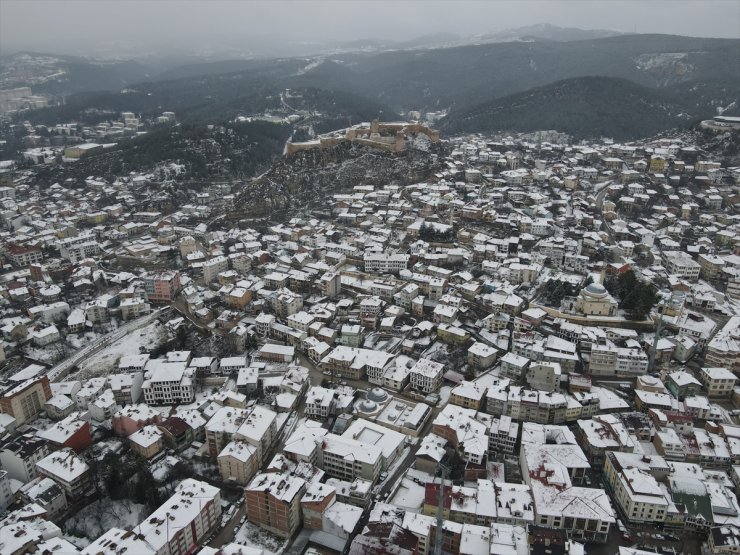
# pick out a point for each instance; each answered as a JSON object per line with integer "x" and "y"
{"x": 163, "y": 25}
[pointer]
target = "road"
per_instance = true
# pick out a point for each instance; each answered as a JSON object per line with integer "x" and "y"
{"x": 60, "y": 370}
{"x": 599, "y": 203}
{"x": 227, "y": 533}
{"x": 400, "y": 470}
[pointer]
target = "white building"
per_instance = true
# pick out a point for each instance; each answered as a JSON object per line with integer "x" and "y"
{"x": 385, "y": 263}
{"x": 168, "y": 383}
{"x": 426, "y": 375}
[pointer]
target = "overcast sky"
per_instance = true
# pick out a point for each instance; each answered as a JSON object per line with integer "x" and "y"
{"x": 101, "y": 26}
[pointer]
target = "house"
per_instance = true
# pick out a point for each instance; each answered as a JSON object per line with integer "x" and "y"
{"x": 73, "y": 433}
{"x": 19, "y": 455}
{"x": 132, "y": 418}
{"x": 481, "y": 356}
{"x": 147, "y": 442}
{"x": 177, "y": 433}
{"x": 126, "y": 388}
{"x": 426, "y": 375}
{"x": 682, "y": 384}
{"x": 45, "y": 493}
{"x": 719, "y": 382}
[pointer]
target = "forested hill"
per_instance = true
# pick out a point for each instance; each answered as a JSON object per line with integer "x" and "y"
{"x": 583, "y": 107}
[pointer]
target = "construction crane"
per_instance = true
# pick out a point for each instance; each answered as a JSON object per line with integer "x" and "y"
{"x": 656, "y": 338}
{"x": 439, "y": 535}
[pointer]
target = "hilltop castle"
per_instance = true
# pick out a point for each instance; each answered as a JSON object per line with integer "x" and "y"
{"x": 388, "y": 136}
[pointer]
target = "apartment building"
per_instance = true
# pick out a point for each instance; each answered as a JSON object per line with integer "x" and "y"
{"x": 126, "y": 388}
{"x": 19, "y": 455}
{"x": 711, "y": 266}
{"x": 285, "y": 302}
{"x": 723, "y": 351}
{"x": 468, "y": 394}
{"x": 134, "y": 417}
{"x": 68, "y": 470}
{"x": 273, "y": 502}
{"x": 24, "y": 401}
{"x": 78, "y": 248}
{"x": 502, "y": 435}
{"x": 347, "y": 459}
{"x": 181, "y": 524}
{"x": 213, "y": 267}
{"x": 544, "y": 376}
{"x": 481, "y": 356}
{"x": 513, "y": 366}
{"x": 237, "y": 462}
{"x": 681, "y": 264}
{"x": 384, "y": 263}
{"x": 22, "y": 256}
{"x": 161, "y": 287}
{"x": 632, "y": 478}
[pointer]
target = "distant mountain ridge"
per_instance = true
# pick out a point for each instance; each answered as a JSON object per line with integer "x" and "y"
{"x": 463, "y": 80}
{"x": 548, "y": 32}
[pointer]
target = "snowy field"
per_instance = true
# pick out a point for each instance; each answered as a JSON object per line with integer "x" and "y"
{"x": 252, "y": 535}
{"x": 105, "y": 361}
{"x": 100, "y": 516}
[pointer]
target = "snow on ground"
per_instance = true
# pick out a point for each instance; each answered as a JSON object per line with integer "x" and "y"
{"x": 79, "y": 543}
{"x": 100, "y": 516}
{"x": 419, "y": 476}
{"x": 106, "y": 360}
{"x": 77, "y": 342}
{"x": 161, "y": 469}
{"x": 409, "y": 495}
{"x": 444, "y": 395}
{"x": 48, "y": 355}
{"x": 252, "y": 535}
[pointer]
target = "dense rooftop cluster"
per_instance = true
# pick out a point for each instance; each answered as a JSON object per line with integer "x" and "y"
{"x": 535, "y": 348}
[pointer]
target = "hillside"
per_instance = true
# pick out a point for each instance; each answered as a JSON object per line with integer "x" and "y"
{"x": 582, "y": 107}
{"x": 53, "y": 74}
{"x": 307, "y": 179}
{"x": 215, "y": 98}
{"x": 472, "y": 74}
{"x": 231, "y": 151}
